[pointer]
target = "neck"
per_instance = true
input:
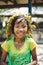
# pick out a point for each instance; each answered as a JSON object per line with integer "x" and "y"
{"x": 19, "y": 39}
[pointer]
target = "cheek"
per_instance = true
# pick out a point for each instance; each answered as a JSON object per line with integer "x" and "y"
{"x": 25, "y": 30}
{"x": 18, "y": 30}
{"x": 15, "y": 30}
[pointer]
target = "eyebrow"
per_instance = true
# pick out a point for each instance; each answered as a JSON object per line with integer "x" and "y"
{"x": 20, "y": 21}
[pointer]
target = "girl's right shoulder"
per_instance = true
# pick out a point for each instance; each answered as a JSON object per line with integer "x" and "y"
{"x": 5, "y": 45}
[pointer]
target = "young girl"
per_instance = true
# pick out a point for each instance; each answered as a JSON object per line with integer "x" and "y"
{"x": 19, "y": 47}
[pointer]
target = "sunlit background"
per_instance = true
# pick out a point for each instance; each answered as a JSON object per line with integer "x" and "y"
{"x": 34, "y": 8}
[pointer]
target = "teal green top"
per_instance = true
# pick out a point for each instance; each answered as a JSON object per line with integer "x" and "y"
{"x": 18, "y": 56}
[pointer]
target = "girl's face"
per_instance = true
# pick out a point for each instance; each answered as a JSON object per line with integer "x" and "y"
{"x": 20, "y": 28}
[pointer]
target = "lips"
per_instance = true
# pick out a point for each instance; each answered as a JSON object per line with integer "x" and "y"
{"x": 20, "y": 33}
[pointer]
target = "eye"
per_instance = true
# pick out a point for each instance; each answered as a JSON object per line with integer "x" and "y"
{"x": 17, "y": 26}
{"x": 24, "y": 26}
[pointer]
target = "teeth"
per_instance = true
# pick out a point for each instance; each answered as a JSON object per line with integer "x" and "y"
{"x": 20, "y": 33}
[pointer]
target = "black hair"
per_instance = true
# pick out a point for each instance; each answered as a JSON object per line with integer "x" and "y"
{"x": 18, "y": 17}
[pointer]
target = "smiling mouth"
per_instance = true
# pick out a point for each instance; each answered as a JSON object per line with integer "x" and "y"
{"x": 20, "y": 33}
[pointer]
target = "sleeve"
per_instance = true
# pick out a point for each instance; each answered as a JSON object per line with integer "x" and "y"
{"x": 5, "y": 46}
{"x": 32, "y": 44}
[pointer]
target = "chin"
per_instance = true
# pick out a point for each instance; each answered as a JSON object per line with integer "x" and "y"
{"x": 20, "y": 36}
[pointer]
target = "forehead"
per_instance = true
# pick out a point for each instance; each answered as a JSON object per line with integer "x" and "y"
{"x": 21, "y": 21}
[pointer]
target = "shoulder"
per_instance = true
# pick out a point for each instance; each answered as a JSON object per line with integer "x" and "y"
{"x": 29, "y": 39}
{"x": 5, "y": 44}
{"x": 31, "y": 43}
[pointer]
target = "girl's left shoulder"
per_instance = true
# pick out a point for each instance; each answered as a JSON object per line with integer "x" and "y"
{"x": 32, "y": 43}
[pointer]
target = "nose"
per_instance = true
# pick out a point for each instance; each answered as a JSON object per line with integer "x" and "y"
{"x": 21, "y": 29}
